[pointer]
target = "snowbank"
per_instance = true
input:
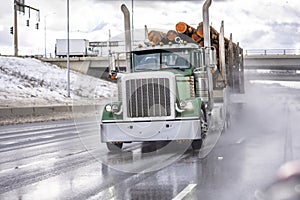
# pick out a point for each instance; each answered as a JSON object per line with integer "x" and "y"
{"x": 27, "y": 81}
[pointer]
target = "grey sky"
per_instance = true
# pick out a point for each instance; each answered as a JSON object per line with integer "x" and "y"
{"x": 254, "y": 23}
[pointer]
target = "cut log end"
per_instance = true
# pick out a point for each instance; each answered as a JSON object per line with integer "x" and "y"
{"x": 171, "y": 35}
{"x": 181, "y": 27}
{"x": 156, "y": 36}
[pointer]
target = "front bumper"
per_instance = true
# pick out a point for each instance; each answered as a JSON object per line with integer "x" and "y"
{"x": 150, "y": 131}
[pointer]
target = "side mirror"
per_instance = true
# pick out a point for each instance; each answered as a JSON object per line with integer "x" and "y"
{"x": 113, "y": 75}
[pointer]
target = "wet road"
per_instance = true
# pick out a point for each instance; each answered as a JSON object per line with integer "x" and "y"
{"x": 65, "y": 160}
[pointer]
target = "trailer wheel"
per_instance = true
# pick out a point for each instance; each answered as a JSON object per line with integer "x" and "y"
{"x": 114, "y": 146}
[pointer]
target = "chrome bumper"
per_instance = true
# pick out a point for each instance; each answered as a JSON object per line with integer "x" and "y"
{"x": 150, "y": 131}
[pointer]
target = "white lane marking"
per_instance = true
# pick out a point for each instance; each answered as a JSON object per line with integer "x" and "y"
{"x": 184, "y": 192}
{"x": 40, "y": 163}
{"x": 7, "y": 143}
{"x": 240, "y": 141}
{"x": 4, "y": 143}
{"x": 220, "y": 158}
{"x": 46, "y": 137}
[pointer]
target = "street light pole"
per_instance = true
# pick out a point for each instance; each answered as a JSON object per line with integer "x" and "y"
{"x": 68, "y": 49}
{"x": 45, "y": 36}
{"x": 46, "y": 32}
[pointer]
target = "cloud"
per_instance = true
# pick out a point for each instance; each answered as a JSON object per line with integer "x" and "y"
{"x": 255, "y": 37}
{"x": 253, "y": 23}
{"x": 6, "y": 8}
{"x": 100, "y": 26}
{"x": 6, "y": 38}
{"x": 285, "y": 34}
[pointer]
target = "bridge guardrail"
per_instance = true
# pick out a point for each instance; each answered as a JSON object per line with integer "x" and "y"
{"x": 272, "y": 52}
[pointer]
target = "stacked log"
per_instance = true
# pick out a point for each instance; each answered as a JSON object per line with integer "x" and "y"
{"x": 187, "y": 33}
{"x": 156, "y": 37}
{"x": 172, "y": 35}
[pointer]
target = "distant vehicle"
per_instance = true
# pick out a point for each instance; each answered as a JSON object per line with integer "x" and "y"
{"x": 78, "y": 47}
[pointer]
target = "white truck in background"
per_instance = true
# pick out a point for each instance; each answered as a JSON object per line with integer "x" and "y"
{"x": 78, "y": 47}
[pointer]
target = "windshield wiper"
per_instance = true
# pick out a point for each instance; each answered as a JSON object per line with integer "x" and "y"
{"x": 182, "y": 69}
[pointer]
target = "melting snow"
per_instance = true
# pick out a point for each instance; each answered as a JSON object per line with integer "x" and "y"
{"x": 27, "y": 81}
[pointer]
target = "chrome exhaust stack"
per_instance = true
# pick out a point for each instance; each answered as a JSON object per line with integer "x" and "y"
{"x": 127, "y": 36}
{"x": 207, "y": 46}
{"x": 206, "y": 27}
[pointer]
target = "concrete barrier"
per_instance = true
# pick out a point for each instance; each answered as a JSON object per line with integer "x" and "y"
{"x": 42, "y": 110}
{"x": 25, "y": 111}
{"x": 62, "y": 108}
{"x": 45, "y": 113}
{"x": 5, "y": 112}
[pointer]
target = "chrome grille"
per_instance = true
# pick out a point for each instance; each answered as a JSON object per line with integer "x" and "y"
{"x": 148, "y": 97}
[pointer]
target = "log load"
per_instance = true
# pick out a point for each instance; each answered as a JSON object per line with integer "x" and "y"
{"x": 189, "y": 34}
{"x": 186, "y": 33}
{"x": 156, "y": 37}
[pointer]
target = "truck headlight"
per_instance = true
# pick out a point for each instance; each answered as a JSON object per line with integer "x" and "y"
{"x": 114, "y": 108}
{"x": 108, "y": 108}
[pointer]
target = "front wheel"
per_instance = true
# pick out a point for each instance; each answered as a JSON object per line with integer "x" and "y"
{"x": 196, "y": 144}
{"x": 113, "y": 146}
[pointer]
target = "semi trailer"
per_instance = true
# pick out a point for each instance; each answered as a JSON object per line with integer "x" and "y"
{"x": 78, "y": 47}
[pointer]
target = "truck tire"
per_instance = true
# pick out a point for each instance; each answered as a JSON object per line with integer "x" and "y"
{"x": 196, "y": 144}
{"x": 114, "y": 146}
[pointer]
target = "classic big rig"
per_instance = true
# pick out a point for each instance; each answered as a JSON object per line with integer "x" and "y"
{"x": 167, "y": 92}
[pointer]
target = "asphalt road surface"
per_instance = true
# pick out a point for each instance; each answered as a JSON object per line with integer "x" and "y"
{"x": 65, "y": 160}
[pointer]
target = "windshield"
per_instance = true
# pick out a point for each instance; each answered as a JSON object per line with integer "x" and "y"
{"x": 157, "y": 60}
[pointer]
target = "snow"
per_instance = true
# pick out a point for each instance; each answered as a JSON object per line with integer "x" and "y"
{"x": 28, "y": 81}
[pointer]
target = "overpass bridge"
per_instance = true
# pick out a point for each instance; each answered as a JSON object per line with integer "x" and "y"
{"x": 272, "y": 62}
{"x": 282, "y": 64}
{"x": 93, "y": 66}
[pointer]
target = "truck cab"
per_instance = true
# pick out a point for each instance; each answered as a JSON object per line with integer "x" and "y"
{"x": 165, "y": 97}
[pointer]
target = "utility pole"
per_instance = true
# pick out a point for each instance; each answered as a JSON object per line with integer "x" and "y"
{"x": 19, "y": 5}
{"x": 132, "y": 32}
{"x": 68, "y": 49}
{"x": 15, "y": 28}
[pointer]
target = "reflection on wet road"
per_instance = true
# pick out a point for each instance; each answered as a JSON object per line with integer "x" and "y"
{"x": 65, "y": 159}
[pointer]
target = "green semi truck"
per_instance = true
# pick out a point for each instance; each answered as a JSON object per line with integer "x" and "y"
{"x": 166, "y": 93}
